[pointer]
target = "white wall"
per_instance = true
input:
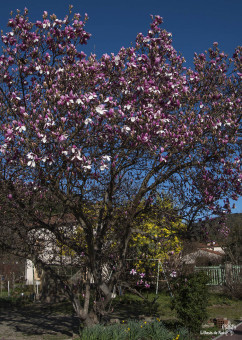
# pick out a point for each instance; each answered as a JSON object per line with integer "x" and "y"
{"x": 29, "y": 272}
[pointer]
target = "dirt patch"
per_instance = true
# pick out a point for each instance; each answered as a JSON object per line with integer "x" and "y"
{"x": 36, "y": 322}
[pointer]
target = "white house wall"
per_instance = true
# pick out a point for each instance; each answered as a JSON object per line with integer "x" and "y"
{"x": 29, "y": 272}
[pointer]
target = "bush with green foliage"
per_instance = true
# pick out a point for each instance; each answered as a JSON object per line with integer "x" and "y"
{"x": 190, "y": 300}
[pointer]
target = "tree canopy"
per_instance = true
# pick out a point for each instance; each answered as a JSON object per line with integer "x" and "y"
{"x": 103, "y": 135}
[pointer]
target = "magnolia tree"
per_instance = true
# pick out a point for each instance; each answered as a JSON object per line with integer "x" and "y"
{"x": 89, "y": 142}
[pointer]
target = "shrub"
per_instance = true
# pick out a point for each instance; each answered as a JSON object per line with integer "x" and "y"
{"x": 191, "y": 299}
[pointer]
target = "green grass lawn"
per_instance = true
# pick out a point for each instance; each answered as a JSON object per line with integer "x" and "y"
{"x": 222, "y": 306}
{"x": 130, "y": 307}
{"x": 219, "y": 306}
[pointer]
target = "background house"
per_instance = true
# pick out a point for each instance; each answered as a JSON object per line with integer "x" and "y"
{"x": 204, "y": 254}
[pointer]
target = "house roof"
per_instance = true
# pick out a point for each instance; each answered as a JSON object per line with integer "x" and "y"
{"x": 221, "y": 253}
{"x": 204, "y": 252}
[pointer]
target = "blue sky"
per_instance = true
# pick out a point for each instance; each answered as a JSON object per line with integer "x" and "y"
{"x": 194, "y": 24}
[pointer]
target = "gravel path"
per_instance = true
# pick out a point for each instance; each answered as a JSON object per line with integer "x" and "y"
{"x": 36, "y": 323}
{"x": 237, "y": 335}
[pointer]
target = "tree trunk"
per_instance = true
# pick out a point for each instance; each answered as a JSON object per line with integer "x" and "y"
{"x": 49, "y": 288}
{"x": 88, "y": 318}
{"x": 91, "y": 319}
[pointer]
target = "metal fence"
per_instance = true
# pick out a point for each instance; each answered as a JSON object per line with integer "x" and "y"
{"x": 219, "y": 274}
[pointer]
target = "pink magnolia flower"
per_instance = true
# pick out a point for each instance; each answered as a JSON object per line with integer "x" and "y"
{"x": 173, "y": 274}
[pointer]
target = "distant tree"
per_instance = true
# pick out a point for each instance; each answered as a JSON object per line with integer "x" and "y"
{"x": 227, "y": 232}
{"x": 232, "y": 244}
{"x": 83, "y": 141}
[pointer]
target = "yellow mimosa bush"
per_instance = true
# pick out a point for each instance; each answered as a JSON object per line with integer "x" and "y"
{"x": 156, "y": 236}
